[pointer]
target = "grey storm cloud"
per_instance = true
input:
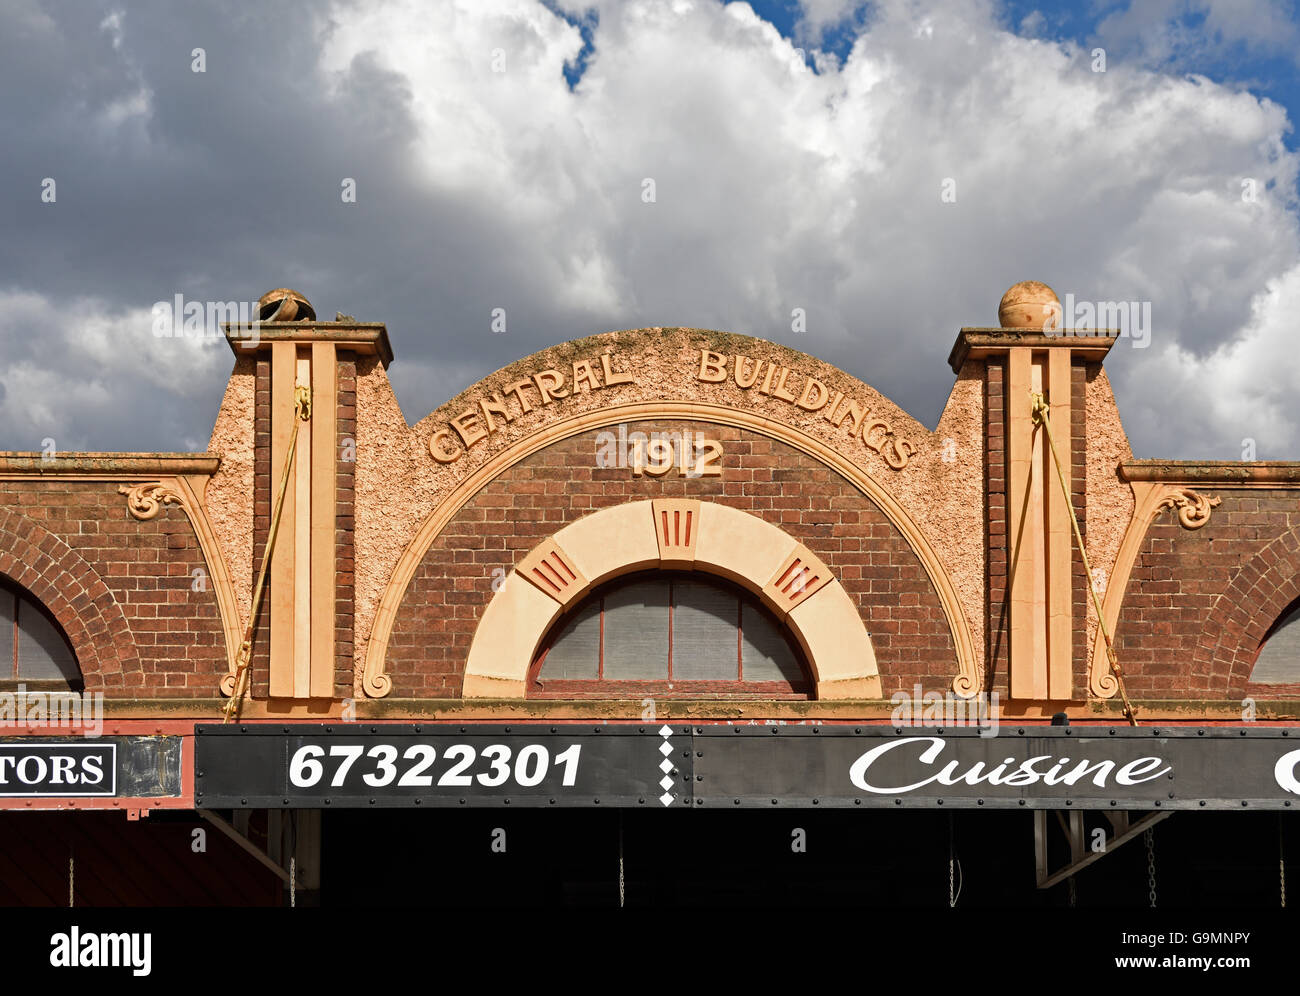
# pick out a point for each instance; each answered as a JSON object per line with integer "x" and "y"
{"x": 775, "y": 189}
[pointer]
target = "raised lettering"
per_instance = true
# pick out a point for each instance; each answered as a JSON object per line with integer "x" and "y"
{"x": 779, "y": 390}
{"x": 746, "y": 381}
{"x": 869, "y": 426}
{"x": 902, "y": 451}
{"x": 713, "y": 367}
{"x": 468, "y": 431}
{"x": 612, "y": 378}
{"x": 806, "y": 400}
{"x": 549, "y": 385}
{"x": 439, "y": 447}
{"x": 517, "y": 389}
{"x": 829, "y": 413}
{"x": 584, "y": 377}
{"x": 854, "y": 411}
{"x": 494, "y": 405}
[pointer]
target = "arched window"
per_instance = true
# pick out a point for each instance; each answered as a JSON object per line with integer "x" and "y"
{"x": 1278, "y": 661}
{"x": 670, "y": 634}
{"x": 33, "y": 647}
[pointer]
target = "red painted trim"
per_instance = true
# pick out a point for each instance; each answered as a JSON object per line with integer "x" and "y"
{"x": 185, "y": 730}
{"x": 119, "y": 804}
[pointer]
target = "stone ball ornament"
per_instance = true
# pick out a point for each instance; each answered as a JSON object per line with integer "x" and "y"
{"x": 1030, "y": 305}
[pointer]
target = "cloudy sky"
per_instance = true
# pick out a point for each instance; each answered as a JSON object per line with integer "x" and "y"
{"x": 890, "y": 168}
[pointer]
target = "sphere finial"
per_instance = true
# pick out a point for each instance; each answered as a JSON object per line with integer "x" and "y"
{"x": 1030, "y": 305}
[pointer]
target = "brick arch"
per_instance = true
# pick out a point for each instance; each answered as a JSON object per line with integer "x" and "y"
{"x": 376, "y": 683}
{"x": 1257, "y": 595}
{"x": 75, "y": 594}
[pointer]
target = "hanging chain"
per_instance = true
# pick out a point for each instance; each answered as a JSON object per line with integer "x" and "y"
{"x": 1150, "y": 838}
{"x": 952, "y": 880}
{"x": 72, "y": 873}
{"x": 1074, "y": 893}
{"x": 1281, "y": 863}
{"x": 621, "y": 893}
{"x": 293, "y": 881}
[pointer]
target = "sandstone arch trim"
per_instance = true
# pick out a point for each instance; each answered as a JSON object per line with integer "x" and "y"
{"x": 759, "y": 556}
{"x": 1150, "y": 498}
{"x": 145, "y": 500}
{"x": 376, "y": 684}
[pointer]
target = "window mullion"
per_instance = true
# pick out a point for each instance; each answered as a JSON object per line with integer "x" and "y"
{"x": 740, "y": 639}
{"x": 671, "y": 604}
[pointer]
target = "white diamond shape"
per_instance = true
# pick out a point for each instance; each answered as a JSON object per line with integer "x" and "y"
{"x": 665, "y": 730}
{"x": 665, "y": 782}
{"x": 665, "y": 749}
{"x": 665, "y": 765}
{"x": 666, "y": 799}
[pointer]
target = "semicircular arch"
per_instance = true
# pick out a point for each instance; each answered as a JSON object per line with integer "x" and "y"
{"x": 376, "y": 683}
{"x": 676, "y": 533}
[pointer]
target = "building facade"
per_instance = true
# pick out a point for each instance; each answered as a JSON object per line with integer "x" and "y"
{"x": 655, "y": 569}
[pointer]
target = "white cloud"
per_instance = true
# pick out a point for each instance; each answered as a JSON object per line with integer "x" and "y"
{"x": 1244, "y": 392}
{"x": 72, "y": 366}
{"x": 779, "y": 188}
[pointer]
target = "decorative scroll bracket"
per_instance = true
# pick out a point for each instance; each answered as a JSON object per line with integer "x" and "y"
{"x": 1193, "y": 507}
{"x": 145, "y": 501}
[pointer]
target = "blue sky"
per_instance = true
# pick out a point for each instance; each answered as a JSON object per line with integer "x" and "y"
{"x": 1267, "y": 67}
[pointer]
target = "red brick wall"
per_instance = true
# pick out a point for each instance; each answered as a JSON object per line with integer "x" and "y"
{"x": 1199, "y": 602}
{"x": 122, "y": 589}
{"x": 345, "y": 522}
{"x": 262, "y": 498}
{"x": 997, "y": 595}
{"x": 1079, "y": 375}
{"x": 453, "y": 584}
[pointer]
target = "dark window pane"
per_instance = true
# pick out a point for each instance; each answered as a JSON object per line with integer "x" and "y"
{"x": 636, "y": 633}
{"x": 704, "y": 633}
{"x": 765, "y": 655}
{"x": 1279, "y": 659}
{"x": 576, "y": 651}
{"x": 6, "y": 634}
{"x": 43, "y": 653}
